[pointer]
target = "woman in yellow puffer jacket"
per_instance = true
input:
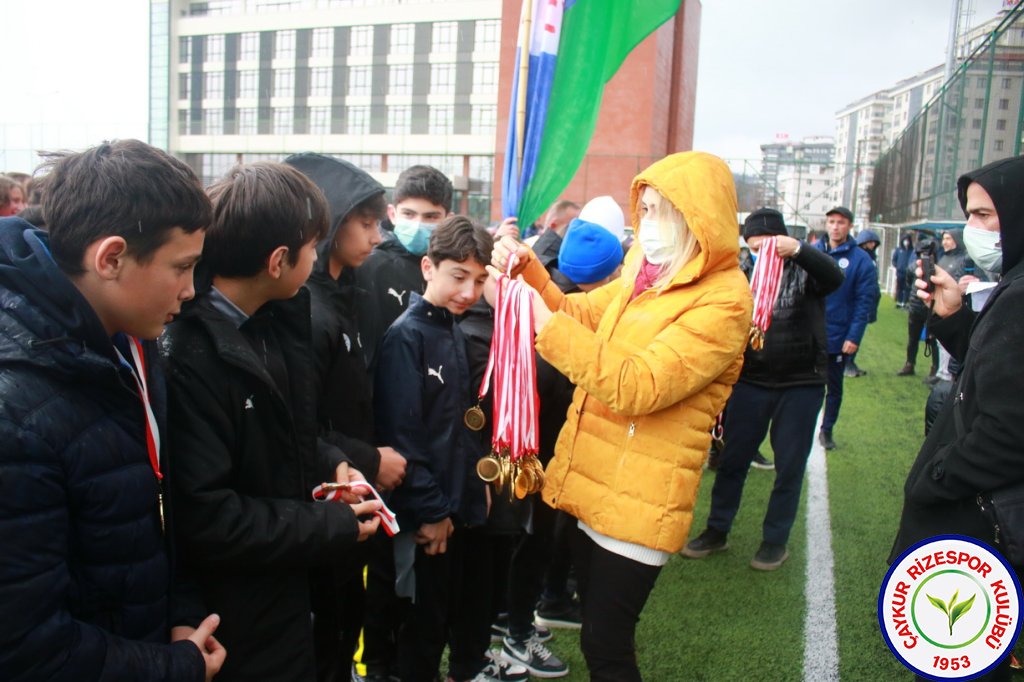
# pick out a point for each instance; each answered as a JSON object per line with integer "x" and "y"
{"x": 653, "y": 356}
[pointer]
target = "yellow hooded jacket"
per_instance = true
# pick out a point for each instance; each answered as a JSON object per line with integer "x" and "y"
{"x": 651, "y": 374}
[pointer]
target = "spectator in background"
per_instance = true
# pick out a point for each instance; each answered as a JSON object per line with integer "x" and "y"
{"x": 12, "y": 197}
{"x": 550, "y": 240}
{"x": 869, "y": 241}
{"x": 902, "y": 263}
{"x": 848, "y": 310}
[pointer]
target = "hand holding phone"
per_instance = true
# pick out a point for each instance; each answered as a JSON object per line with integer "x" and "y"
{"x": 928, "y": 271}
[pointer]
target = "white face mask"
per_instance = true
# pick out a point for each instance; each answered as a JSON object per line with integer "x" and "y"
{"x": 984, "y": 248}
{"x": 657, "y": 247}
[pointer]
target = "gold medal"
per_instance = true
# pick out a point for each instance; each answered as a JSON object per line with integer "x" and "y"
{"x": 474, "y": 418}
{"x": 488, "y": 468}
{"x": 522, "y": 488}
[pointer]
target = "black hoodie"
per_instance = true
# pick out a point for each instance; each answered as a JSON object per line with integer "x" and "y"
{"x": 974, "y": 446}
{"x": 344, "y": 392}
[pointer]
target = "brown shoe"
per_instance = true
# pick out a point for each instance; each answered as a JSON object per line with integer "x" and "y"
{"x": 907, "y": 371}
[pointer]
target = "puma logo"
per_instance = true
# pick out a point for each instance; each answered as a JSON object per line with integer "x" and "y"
{"x": 436, "y": 373}
{"x": 392, "y": 292}
{"x": 248, "y": 404}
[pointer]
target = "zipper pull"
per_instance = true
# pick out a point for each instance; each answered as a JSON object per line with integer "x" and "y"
{"x": 632, "y": 428}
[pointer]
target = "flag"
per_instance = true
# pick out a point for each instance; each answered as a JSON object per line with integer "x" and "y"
{"x": 574, "y": 48}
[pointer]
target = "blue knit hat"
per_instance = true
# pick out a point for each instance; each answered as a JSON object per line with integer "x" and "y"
{"x": 589, "y": 252}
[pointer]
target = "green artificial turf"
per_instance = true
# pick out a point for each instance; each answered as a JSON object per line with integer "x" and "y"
{"x": 718, "y": 619}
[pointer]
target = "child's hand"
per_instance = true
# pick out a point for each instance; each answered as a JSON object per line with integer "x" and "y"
{"x": 346, "y": 474}
{"x": 508, "y": 228}
{"x": 366, "y": 509}
{"x": 435, "y": 536}
{"x": 392, "y": 469}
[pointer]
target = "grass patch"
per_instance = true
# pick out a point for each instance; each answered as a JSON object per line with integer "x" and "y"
{"x": 718, "y": 619}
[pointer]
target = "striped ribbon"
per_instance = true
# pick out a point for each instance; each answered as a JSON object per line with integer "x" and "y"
{"x": 764, "y": 286}
{"x": 331, "y": 492}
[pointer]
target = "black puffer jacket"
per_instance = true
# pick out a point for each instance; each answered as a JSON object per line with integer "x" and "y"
{"x": 84, "y": 569}
{"x": 344, "y": 386}
{"x": 247, "y": 458}
{"x": 975, "y": 445}
{"x": 390, "y": 276}
{"x": 795, "y": 350}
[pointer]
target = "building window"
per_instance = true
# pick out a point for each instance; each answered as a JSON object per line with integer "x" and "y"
{"x": 183, "y": 121}
{"x": 213, "y": 86}
{"x": 997, "y": 145}
{"x": 976, "y": 124}
{"x": 1001, "y": 124}
{"x": 975, "y": 145}
{"x": 358, "y": 81}
{"x": 184, "y": 49}
{"x": 249, "y": 49}
{"x": 400, "y": 81}
{"x": 323, "y": 42}
{"x": 361, "y": 42}
{"x": 320, "y": 82}
{"x": 485, "y": 78}
{"x": 284, "y": 82}
{"x": 284, "y": 45}
{"x": 247, "y": 122}
{"x": 440, "y": 122}
{"x": 1007, "y": 83}
{"x": 981, "y": 81}
{"x": 446, "y": 36}
{"x": 248, "y": 84}
{"x": 320, "y": 121}
{"x": 488, "y": 35}
{"x": 358, "y": 120}
{"x": 213, "y": 121}
{"x": 483, "y": 120}
{"x": 402, "y": 38}
{"x": 184, "y": 85}
{"x": 442, "y": 79}
{"x": 979, "y": 102}
{"x": 1004, "y": 104}
{"x": 398, "y": 120}
{"x": 214, "y": 53}
{"x": 283, "y": 120}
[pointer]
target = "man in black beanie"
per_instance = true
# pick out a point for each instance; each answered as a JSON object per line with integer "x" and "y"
{"x": 782, "y": 387}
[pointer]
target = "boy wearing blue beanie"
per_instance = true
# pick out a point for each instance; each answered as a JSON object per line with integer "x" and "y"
{"x": 590, "y": 255}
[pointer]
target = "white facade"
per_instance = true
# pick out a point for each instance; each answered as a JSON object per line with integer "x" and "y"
{"x": 805, "y": 194}
{"x": 862, "y": 130}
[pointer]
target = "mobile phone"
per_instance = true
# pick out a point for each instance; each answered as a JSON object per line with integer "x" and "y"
{"x": 927, "y": 270}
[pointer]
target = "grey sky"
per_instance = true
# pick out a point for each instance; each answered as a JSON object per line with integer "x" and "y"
{"x": 75, "y": 72}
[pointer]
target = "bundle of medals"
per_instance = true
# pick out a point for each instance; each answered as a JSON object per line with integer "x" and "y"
{"x": 512, "y": 464}
{"x": 764, "y": 287}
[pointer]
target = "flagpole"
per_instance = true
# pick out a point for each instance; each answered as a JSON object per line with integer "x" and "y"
{"x": 526, "y": 33}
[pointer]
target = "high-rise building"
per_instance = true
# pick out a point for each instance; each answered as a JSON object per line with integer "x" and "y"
{"x": 385, "y": 84}
{"x": 808, "y": 158}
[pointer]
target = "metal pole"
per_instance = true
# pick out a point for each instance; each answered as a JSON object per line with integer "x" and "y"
{"x": 954, "y": 30}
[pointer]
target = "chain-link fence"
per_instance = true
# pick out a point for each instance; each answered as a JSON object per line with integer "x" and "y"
{"x": 974, "y": 119}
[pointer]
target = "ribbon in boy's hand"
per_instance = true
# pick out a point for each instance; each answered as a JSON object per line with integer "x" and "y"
{"x": 331, "y": 492}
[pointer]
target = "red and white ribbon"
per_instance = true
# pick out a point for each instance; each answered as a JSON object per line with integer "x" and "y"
{"x": 764, "y": 286}
{"x": 514, "y": 368}
{"x": 331, "y": 492}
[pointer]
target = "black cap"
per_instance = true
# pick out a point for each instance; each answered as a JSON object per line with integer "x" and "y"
{"x": 843, "y": 211}
{"x": 764, "y": 222}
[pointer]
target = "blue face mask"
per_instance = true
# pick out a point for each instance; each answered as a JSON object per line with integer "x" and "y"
{"x": 753, "y": 257}
{"x": 413, "y": 235}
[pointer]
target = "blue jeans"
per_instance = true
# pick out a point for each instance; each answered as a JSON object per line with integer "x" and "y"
{"x": 791, "y": 414}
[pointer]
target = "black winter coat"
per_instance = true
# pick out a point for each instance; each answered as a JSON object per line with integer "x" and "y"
{"x": 85, "y": 578}
{"x": 795, "y": 349}
{"x": 248, "y": 458}
{"x": 975, "y": 444}
{"x": 389, "y": 276}
{"x": 421, "y": 392}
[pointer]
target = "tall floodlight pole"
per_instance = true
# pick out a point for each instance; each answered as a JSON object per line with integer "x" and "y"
{"x": 954, "y": 29}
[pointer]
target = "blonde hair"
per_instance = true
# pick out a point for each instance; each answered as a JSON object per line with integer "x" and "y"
{"x": 670, "y": 219}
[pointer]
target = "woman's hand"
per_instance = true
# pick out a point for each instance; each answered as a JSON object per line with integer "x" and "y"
{"x": 541, "y": 314}
{"x": 506, "y": 247}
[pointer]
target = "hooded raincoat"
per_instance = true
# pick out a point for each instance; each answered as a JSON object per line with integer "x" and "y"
{"x": 974, "y": 446}
{"x": 652, "y": 372}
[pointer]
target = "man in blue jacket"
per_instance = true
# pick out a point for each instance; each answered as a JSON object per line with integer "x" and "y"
{"x": 847, "y": 310}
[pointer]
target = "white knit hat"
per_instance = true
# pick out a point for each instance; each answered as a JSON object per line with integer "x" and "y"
{"x": 607, "y": 213}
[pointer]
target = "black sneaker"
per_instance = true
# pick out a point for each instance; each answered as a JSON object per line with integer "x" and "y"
{"x": 561, "y": 614}
{"x": 708, "y": 542}
{"x": 761, "y": 462}
{"x": 500, "y": 670}
{"x": 534, "y": 656}
{"x": 825, "y": 438}
{"x": 769, "y": 557}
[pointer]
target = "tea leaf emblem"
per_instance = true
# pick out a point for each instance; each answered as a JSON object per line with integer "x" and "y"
{"x": 954, "y": 611}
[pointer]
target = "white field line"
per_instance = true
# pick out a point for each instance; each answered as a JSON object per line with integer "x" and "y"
{"x": 821, "y": 652}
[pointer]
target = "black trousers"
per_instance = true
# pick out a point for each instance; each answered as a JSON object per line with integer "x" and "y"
{"x": 916, "y": 321}
{"x": 834, "y": 392}
{"x": 452, "y": 605}
{"x": 791, "y": 414}
{"x": 380, "y": 622}
{"x": 613, "y": 591}
{"x": 338, "y": 606}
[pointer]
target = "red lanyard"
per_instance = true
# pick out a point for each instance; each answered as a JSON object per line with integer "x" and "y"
{"x": 138, "y": 371}
{"x": 764, "y": 286}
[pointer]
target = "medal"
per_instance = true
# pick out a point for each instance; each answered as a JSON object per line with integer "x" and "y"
{"x": 474, "y": 419}
{"x": 488, "y": 468}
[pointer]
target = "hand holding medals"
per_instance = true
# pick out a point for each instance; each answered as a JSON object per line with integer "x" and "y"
{"x": 512, "y": 463}
{"x": 764, "y": 286}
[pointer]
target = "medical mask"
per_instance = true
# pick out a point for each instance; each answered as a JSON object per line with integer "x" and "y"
{"x": 413, "y": 235}
{"x": 657, "y": 247}
{"x": 753, "y": 257}
{"x": 984, "y": 248}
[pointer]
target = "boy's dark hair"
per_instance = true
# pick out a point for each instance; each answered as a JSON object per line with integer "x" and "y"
{"x": 122, "y": 188}
{"x": 34, "y": 191}
{"x": 257, "y": 208}
{"x": 459, "y": 239}
{"x": 371, "y": 208}
{"x": 424, "y": 182}
{"x": 6, "y": 185}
